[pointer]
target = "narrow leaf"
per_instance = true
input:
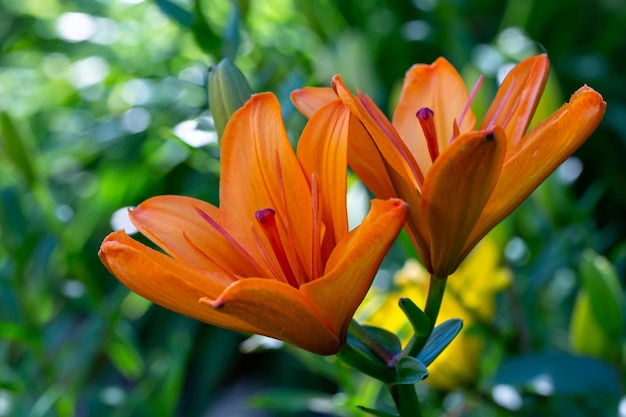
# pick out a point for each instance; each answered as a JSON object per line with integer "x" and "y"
{"x": 374, "y": 412}
{"x": 440, "y": 338}
{"x": 387, "y": 339}
{"x": 602, "y": 284}
{"x": 16, "y": 147}
{"x": 419, "y": 320}
{"x": 178, "y": 14}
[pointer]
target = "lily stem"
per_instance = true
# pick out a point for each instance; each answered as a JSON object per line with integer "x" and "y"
{"x": 405, "y": 399}
{"x": 436, "y": 289}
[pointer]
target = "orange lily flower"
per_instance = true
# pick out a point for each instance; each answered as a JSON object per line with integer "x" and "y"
{"x": 276, "y": 258}
{"x": 459, "y": 181}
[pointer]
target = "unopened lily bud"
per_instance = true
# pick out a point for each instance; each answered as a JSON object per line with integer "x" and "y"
{"x": 228, "y": 91}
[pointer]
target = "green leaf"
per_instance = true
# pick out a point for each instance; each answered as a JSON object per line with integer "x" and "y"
{"x": 588, "y": 335}
{"x": 206, "y": 38}
{"x": 600, "y": 280}
{"x": 357, "y": 355}
{"x": 17, "y": 147}
{"x": 178, "y": 14}
{"x": 440, "y": 338}
{"x": 561, "y": 373}
{"x": 377, "y": 413}
{"x": 16, "y": 332}
{"x": 126, "y": 358}
{"x": 13, "y": 222}
{"x": 419, "y": 320}
{"x": 230, "y": 34}
{"x": 410, "y": 371}
{"x": 293, "y": 401}
{"x": 384, "y": 337}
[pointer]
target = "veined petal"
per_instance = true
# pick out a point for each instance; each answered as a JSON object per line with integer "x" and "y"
{"x": 542, "y": 150}
{"x": 366, "y": 161}
{"x": 456, "y": 190}
{"x": 259, "y": 170}
{"x": 415, "y": 221}
{"x": 384, "y": 135}
{"x": 309, "y": 99}
{"x": 353, "y": 264}
{"x": 166, "y": 281}
{"x": 166, "y": 220}
{"x": 517, "y": 98}
{"x": 277, "y": 310}
{"x": 440, "y": 88}
{"x": 322, "y": 150}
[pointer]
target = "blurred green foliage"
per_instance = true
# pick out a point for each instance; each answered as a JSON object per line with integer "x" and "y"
{"x": 104, "y": 104}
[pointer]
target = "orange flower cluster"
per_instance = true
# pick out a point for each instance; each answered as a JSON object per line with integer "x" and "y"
{"x": 277, "y": 258}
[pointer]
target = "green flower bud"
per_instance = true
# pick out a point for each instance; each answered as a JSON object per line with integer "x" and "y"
{"x": 228, "y": 91}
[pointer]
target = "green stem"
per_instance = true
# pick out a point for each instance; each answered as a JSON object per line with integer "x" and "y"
{"x": 436, "y": 290}
{"x": 405, "y": 398}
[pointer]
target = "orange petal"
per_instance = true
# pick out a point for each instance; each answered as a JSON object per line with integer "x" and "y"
{"x": 387, "y": 140}
{"x": 517, "y": 98}
{"x": 540, "y": 152}
{"x": 322, "y": 150}
{"x": 309, "y": 99}
{"x": 456, "y": 190}
{"x": 277, "y": 310}
{"x": 353, "y": 264}
{"x": 166, "y": 220}
{"x": 259, "y": 171}
{"x": 415, "y": 221}
{"x": 166, "y": 281}
{"x": 366, "y": 161}
{"x": 440, "y": 88}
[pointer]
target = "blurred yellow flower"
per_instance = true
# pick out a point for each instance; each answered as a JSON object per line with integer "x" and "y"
{"x": 470, "y": 296}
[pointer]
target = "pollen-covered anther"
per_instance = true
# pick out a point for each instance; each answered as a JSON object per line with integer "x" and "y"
{"x": 426, "y": 118}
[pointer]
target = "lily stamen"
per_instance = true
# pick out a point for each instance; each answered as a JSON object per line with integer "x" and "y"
{"x": 425, "y": 117}
{"x": 230, "y": 276}
{"x": 500, "y": 108}
{"x": 468, "y": 105}
{"x": 296, "y": 264}
{"x": 266, "y": 219}
{"x": 230, "y": 240}
{"x": 511, "y": 112}
{"x": 275, "y": 270}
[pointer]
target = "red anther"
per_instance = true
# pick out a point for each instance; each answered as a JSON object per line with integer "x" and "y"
{"x": 425, "y": 117}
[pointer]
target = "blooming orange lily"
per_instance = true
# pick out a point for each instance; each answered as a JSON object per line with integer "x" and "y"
{"x": 459, "y": 181}
{"x": 276, "y": 258}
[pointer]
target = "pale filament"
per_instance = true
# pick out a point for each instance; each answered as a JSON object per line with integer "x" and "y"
{"x": 468, "y": 104}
